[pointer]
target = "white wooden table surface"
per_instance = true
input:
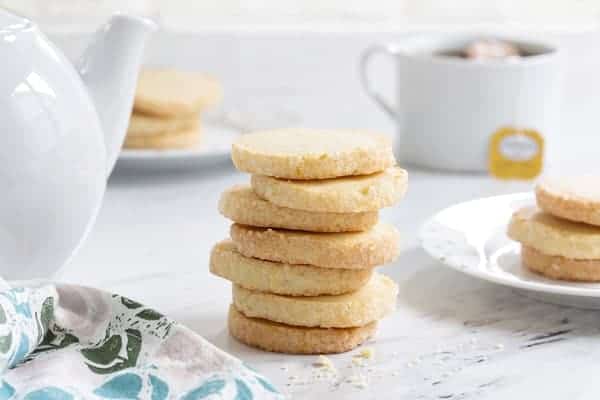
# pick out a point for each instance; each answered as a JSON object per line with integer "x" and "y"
{"x": 452, "y": 337}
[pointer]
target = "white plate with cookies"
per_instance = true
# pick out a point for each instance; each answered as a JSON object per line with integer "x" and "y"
{"x": 553, "y": 253}
{"x": 171, "y": 124}
{"x": 214, "y": 147}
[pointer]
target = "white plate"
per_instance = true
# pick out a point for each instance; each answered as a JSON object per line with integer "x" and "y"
{"x": 471, "y": 237}
{"x": 214, "y": 148}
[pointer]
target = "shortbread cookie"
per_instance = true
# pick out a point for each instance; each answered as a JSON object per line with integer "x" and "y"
{"x": 174, "y": 140}
{"x": 243, "y": 206}
{"x": 557, "y": 267}
{"x": 554, "y": 236}
{"x": 280, "y": 278}
{"x": 346, "y": 194}
{"x": 147, "y": 125}
{"x": 378, "y": 245}
{"x": 281, "y": 338}
{"x": 370, "y": 303}
{"x": 575, "y": 199}
{"x": 312, "y": 153}
{"x": 173, "y": 93}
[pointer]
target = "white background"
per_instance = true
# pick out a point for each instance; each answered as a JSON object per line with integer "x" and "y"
{"x": 294, "y": 62}
{"x": 306, "y": 77}
{"x": 191, "y": 15}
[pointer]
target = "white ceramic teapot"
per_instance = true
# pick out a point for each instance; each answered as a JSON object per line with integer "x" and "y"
{"x": 61, "y": 130}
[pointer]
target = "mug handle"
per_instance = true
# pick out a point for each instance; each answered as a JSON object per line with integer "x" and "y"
{"x": 365, "y": 60}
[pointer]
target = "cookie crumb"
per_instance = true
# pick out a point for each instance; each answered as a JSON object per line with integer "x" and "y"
{"x": 367, "y": 353}
{"x": 358, "y": 381}
{"x": 324, "y": 363}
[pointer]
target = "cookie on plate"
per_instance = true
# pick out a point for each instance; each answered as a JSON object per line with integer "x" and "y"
{"x": 184, "y": 139}
{"x": 350, "y": 250}
{"x": 241, "y": 204}
{"x": 280, "y": 278}
{"x": 572, "y": 198}
{"x": 147, "y": 125}
{"x": 554, "y": 236}
{"x": 312, "y": 153}
{"x": 281, "y": 338}
{"x": 174, "y": 93}
{"x": 370, "y": 303}
{"x": 557, "y": 267}
{"x": 341, "y": 195}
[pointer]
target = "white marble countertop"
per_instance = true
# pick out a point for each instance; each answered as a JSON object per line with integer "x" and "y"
{"x": 452, "y": 337}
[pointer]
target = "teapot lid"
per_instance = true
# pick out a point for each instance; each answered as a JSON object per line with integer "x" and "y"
{"x": 11, "y": 23}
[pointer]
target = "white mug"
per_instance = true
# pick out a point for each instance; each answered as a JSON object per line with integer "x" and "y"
{"x": 448, "y": 108}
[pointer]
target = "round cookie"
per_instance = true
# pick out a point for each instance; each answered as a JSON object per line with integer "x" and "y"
{"x": 312, "y": 153}
{"x": 346, "y": 194}
{"x": 272, "y": 336}
{"x": 173, "y": 140}
{"x": 147, "y": 125}
{"x": 554, "y": 236}
{"x": 370, "y": 303}
{"x": 173, "y": 93}
{"x": 243, "y": 206}
{"x": 574, "y": 198}
{"x": 285, "y": 279}
{"x": 378, "y": 245}
{"x": 557, "y": 267}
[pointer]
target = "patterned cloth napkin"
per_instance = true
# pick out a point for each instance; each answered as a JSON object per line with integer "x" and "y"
{"x": 69, "y": 342}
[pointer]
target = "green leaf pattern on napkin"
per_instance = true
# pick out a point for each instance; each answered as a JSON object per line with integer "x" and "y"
{"x": 107, "y": 358}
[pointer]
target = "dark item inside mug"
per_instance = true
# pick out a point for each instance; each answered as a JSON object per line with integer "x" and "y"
{"x": 491, "y": 49}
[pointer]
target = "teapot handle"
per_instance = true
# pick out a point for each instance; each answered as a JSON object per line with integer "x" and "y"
{"x": 365, "y": 60}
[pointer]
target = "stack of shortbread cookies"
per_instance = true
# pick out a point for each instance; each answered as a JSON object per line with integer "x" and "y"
{"x": 561, "y": 237}
{"x": 166, "y": 108}
{"x": 306, "y": 238}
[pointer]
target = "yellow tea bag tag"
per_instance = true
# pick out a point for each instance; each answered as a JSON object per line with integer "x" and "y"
{"x": 516, "y": 153}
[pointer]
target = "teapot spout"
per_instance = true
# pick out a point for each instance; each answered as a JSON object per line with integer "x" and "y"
{"x": 109, "y": 68}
